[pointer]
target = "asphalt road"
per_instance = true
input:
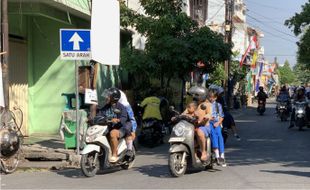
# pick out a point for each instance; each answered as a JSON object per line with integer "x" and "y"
{"x": 269, "y": 156}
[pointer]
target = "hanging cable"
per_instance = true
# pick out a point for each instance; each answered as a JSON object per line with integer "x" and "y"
{"x": 271, "y": 26}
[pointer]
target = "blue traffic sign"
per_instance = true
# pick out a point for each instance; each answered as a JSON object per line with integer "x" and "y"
{"x": 75, "y": 44}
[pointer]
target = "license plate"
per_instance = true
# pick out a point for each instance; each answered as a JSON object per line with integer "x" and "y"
{"x": 176, "y": 139}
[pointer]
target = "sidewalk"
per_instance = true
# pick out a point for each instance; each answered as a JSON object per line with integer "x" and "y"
{"x": 41, "y": 152}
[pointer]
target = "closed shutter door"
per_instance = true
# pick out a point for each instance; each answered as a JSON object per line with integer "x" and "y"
{"x": 18, "y": 69}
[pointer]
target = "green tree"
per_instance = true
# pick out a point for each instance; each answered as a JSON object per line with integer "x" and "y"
{"x": 302, "y": 73}
{"x": 174, "y": 44}
{"x": 286, "y": 74}
{"x": 300, "y": 24}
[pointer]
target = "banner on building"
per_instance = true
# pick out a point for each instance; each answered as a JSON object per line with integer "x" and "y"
{"x": 105, "y": 31}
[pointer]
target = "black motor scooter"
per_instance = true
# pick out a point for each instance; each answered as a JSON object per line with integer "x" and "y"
{"x": 261, "y": 108}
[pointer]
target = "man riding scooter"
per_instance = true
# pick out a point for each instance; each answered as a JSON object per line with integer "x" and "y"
{"x": 152, "y": 122}
{"x": 203, "y": 114}
{"x": 299, "y": 97}
{"x": 261, "y": 96}
{"x": 121, "y": 123}
{"x": 284, "y": 97}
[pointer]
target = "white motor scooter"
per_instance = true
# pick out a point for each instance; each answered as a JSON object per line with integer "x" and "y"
{"x": 97, "y": 152}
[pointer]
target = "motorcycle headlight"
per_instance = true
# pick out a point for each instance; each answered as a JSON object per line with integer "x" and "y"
{"x": 300, "y": 111}
{"x": 92, "y": 137}
{"x": 179, "y": 129}
{"x": 94, "y": 132}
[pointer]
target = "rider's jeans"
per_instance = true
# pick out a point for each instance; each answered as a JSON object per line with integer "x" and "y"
{"x": 217, "y": 138}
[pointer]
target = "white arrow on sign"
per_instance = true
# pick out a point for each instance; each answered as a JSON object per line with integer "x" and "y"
{"x": 76, "y": 39}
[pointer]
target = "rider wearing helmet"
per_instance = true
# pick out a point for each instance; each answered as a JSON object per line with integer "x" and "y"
{"x": 283, "y": 97}
{"x": 299, "y": 97}
{"x": 261, "y": 95}
{"x": 203, "y": 113}
{"x": 121, "y": 125}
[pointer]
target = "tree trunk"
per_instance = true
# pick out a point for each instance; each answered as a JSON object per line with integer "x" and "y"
{"x": 182, "y": 94}
{"x": 162, "y": 80}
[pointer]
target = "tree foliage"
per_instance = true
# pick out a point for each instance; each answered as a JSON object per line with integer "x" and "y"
{"x": 286, "y": 74}
{"x": 174, "y": 43}
{"x": 300, "y": 23}
{"x": 302, "y": 73}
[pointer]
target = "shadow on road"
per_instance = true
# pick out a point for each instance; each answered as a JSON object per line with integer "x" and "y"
{"x": 295, "y": 173}
{"x": 77, "y": 173}
{"x": 156, "y": 170}
{"x": 265, "y": 139}
{"x": 71, "y": 173}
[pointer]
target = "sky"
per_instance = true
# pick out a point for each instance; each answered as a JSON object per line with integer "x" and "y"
{"x": 269, "y": 16}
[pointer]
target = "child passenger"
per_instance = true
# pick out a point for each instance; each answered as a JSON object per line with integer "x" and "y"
{"x": 190, "y": 109}
{"x": 216, "y": 129}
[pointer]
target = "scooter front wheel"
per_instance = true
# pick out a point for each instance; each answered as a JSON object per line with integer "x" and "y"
{"x": 9, "y": 165}
{"x": 177, "y": 168}
{"x": 90, "y": 164}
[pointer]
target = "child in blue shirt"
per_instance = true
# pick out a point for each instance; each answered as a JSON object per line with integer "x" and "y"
{"x": 216, "y": 128}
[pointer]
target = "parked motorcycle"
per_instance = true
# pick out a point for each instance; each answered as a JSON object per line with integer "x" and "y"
{"x": 97, "y": 152}
{"x": 261, "y": 107}
{"x": 283, "y": 112}
{"x": 10, "y": 144}
{"x": 10, "y": 141}
{"x": 300, "y": 114}
{"x": 183, "y": 152}
{"x": 151, "y": 133}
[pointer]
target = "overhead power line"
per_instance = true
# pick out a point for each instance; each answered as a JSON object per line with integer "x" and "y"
{"x": 290, "y": 35}
{"x": 268, "y": 18}
{"x": 272, "y": 34}
{"x": 266, "y": 6}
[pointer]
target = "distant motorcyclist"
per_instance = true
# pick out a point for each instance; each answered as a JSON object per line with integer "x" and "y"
{"x": 261, "y": 95}
{"x": 284, "y": 97}
{"x": 299, "y": 96}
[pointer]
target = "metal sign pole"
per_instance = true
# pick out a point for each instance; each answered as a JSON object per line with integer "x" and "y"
{"x": 77, "y": 108}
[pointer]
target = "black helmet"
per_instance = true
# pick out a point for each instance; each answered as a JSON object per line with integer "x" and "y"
{"x": 261, "y": 88}
{"x": 199, "y": 93}
{"x": 283, "y": 88}
{"x": 114, "y": 94}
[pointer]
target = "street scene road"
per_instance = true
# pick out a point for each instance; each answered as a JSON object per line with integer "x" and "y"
{"x": 269, "y": 156}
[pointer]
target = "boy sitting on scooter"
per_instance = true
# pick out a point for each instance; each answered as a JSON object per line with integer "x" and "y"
{"x": 190, "y": 109}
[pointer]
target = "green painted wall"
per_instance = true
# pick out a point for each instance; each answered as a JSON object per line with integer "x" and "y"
{"x": 48, "y": 76}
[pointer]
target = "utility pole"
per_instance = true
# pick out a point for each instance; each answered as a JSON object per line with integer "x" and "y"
{"x": 229, "y": 11}
{"x": 5, "y": 48}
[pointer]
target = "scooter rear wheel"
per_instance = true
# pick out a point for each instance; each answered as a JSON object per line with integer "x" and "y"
{"x": 175, "y": 164}
{"x": 130, "y": 164}
{"x": 90, "y": 166}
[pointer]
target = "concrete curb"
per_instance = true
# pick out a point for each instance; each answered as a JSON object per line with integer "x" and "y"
{"x": 40, "y": 158}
